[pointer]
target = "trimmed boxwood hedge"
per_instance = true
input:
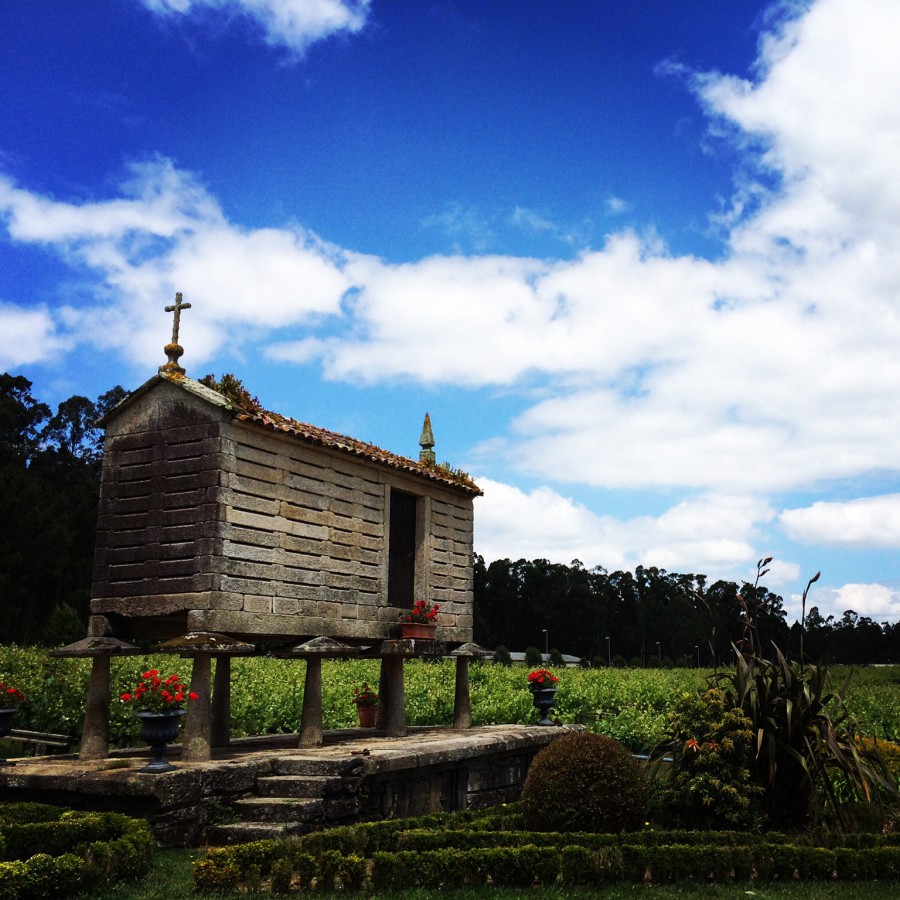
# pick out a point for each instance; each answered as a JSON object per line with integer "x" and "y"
{"x": 453, "y": 849}
{"x": 79, "y": 850}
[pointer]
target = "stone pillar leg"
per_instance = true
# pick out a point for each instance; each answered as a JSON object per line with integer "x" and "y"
{"x": 311, "y": 715}
{"x": 221, "y": 703}
{"x": 395, "y": 713}
{"x": 196, "y": 743}
{"x": 95, "y": 733}
{"x": 462, "y": 708}
{"x": 384, "y": 694}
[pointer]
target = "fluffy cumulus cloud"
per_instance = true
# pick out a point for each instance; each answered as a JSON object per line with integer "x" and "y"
{"x": 868, "y": 522}
{"x": 294, "y": 24}
{"x": 771, "y": 368}
{"x": 754, "y": 372}
{"x": 165, "y": 234}
{"x": 878, "y": 602}
{"x": 711, "y": 534}
{"x": 29, "y": 335}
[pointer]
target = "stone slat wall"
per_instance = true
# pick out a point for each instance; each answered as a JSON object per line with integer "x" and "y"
{"x": 451, "y": 561}
{"x": 302, "y": 540}
{"x": 231, "y": 528}
{"x": 157, "y": 532}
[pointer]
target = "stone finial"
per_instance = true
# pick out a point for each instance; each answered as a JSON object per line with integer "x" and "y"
{"x": 426, "y": 442}
{"x": 174, "y": 350}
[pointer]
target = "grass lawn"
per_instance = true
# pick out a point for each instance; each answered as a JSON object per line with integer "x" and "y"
{"x": 170, "y": 879}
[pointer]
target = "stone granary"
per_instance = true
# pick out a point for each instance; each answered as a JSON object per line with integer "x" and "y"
{"x": 223, "y": 526}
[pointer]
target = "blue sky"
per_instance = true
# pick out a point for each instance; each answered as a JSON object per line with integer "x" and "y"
{"x": 638, "y": 260}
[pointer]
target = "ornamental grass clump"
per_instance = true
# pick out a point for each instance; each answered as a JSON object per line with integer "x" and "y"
{"x": 585, "y": 782}
{"x": 797, "y": 738}
{"x": 804, "y": 735}
{"x": 156, "y": 694}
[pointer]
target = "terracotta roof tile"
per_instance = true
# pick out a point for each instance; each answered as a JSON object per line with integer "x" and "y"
{"x": 323, "y": 438}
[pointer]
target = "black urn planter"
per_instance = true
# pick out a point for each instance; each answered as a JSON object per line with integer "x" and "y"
{"x": 159, "y": 730}
{"x": 544, "y": 700}
{"x": 6, "y": 717}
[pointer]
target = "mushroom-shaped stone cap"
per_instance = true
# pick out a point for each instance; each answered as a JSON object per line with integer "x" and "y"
{"x": 205, "y": 642}
{"x": 406, "y": 647}
{"x": 319, "y": 646}
{"x": 472, "y": 651}
{"x": 97, "y": 646}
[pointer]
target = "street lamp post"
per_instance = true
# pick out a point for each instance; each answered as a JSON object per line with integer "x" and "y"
{"x": 658, "y": 652}
{"x": 547, "y": 642}
{"x": 697, "y": 652}
{"x": 608, "y": 653}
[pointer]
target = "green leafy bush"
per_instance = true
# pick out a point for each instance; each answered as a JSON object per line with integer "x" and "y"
{"x": 709, "y": 783}
{"x": 585, "y": 782}
{"x": 459, "y": 849}
{"x": 78, "y": 849}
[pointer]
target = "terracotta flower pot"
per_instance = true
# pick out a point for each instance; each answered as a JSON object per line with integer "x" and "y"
{"x": 421, "y": 630}
{"x": 368, "y": 716}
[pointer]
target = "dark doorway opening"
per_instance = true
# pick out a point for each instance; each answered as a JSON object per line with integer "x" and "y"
{"x": 402, "y": 550}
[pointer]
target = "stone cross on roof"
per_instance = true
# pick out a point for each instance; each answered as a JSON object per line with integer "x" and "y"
{"x": 174, "y": 350}
{"x": 177, "y": 308}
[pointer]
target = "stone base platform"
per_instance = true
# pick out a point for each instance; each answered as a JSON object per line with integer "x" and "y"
{"x": 266, "y": 786}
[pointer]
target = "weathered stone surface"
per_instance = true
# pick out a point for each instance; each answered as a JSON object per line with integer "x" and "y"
{"x": 367, "y": 776}
{"x": 227, "y": 525}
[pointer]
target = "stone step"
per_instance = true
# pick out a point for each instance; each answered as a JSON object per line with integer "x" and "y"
{"x": 244, "y": 832}
{"x": 300, "y": 786}
{"x": 294, "y": 765}
{"x": 279, "y": 809}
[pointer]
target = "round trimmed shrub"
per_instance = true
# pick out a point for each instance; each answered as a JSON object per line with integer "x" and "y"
{"x": 585, "y": 782}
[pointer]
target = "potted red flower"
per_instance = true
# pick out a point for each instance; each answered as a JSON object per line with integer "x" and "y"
{"x": 11, "y": 698}
{"x": 542, "y": 683}
{"x": 366, "y": 701}
{"x": 420, "y": 621}
{"x": 160, "y": 702}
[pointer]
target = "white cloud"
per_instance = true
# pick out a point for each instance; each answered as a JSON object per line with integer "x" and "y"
{"x": 295, "y": 24}
{"x": 867, "y": 522}
{"x": 465, "y": 226}
{"x": 617, "y": 206}
{"x": 878, "y": 602}
{"x": 531, "y": 220}
{"x": 710, "y": 534}
{"x": 29, "y": 336}
{"x": 775, "y": 367}
{"x": 168, "y": 234}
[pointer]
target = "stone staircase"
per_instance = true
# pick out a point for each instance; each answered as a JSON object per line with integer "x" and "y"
{"x": 302, "y": 795}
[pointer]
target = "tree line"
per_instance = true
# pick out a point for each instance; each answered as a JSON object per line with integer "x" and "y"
{"x": 49, "y": 492}
{"x": 651, "y": 617}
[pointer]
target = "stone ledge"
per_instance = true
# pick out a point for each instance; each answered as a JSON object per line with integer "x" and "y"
{"x": 426, "y": 770}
